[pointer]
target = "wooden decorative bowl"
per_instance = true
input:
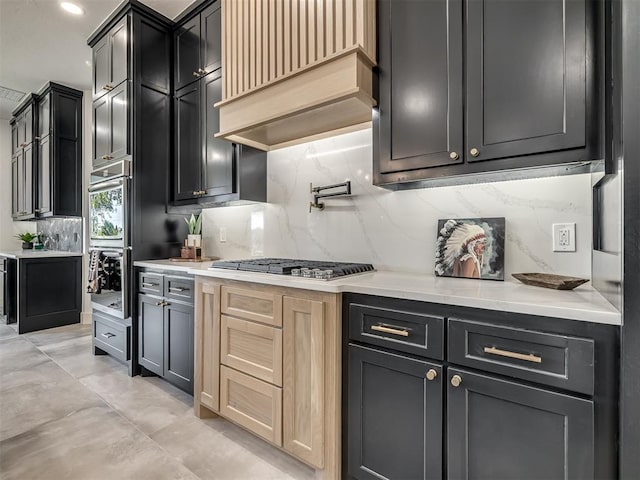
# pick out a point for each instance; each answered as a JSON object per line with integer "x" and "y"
{"x": 548, "y": 280}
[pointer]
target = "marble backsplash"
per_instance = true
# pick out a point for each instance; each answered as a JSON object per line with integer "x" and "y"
{"x": 395, "y": 230}
{"x": 61, "y": 234}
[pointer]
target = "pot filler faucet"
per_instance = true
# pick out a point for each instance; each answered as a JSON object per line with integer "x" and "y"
{"x": 315, "y": 191}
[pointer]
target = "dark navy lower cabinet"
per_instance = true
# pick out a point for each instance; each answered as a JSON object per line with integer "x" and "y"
{"x": 165, "y": 327}
{"x": 499, "y": 429}
{"x": 394, "y": 416}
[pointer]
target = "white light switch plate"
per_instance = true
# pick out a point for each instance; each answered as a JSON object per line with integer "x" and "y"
{"x": 564, "y": 237}
{"x": 223, "y": 234}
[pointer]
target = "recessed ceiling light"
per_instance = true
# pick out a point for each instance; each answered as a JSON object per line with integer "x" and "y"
{"x": 72, "y": 8}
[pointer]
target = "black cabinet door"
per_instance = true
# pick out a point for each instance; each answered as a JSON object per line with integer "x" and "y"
{"x": 178, "y": 345}
{"x": 420, "y": 117}
{"x": 188, "y": 145}
{"x": 394, "y": 416}
{"x": 101, "y": 133}
{"x": 101, "y": 67}
{"x": 499, "y": 429}
{"x": 16, "y": 190}
{"x": 118, "y": 122}
{"x": 151, "y": 333}
{"x": 43, "y": 175}
{"x": 118, "y": 47}
{"x": 14, "y": 137}
{"x": 211, "y": 38}
{"x": 218, "y": 178}
{"x": 28, "y": 181}
{"x": 26, "y": 125}
{"x": 44, "y": 116}
{"x": 187, "y": 53}
{"x": 526, "y": 77}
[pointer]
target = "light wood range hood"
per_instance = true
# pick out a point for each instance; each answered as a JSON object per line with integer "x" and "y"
{"x": 295, "y": 70}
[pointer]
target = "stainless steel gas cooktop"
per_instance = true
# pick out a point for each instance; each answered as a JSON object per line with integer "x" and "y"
{"x": 296, "y": 268}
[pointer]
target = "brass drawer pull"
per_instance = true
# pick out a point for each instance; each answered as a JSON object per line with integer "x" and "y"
{"x": 149, "y": 285}
{"x": 108, "y": 335}
{"x": 391, "y": 330}
{"x": 177, "y": 289}
{"x": 520, "y": 356}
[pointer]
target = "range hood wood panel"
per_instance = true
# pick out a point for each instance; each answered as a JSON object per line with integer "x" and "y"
{"x": 296, "y": 71}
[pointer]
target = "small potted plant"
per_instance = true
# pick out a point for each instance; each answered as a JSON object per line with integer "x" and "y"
{"x": 194, "y": 239}
{"x": 27, "y": 240}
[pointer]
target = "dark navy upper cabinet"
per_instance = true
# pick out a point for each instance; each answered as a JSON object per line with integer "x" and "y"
{"x": 469, "y": 87}
{"x": 24, "y": 128}
{"x": 188, "y": 147}
{"x": 198, "y": 46}
{"x": 420, "y": 114}
{"x": 526, "y": 85}
{"x": 111, "y": 59}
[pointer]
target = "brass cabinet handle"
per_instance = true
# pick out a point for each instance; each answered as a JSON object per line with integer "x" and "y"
{"x": 474, "y": 152}
{"x": 454, "y": 156}
{"x": 108, "y": 87}
{"x": 456, "y": 380}
{"x": 37, "y": 210}
{"x": 519, "y": 356}
{"x": 177, "y": 289}
{"x": 431, "y": 374}
{"x": 199, "y": 192}
{"x": 36, "y": 138}
{"x": 394, "y": 331}
{"x": 202, "y": 71}
{"x": 107, "y": 157}
{"x": 108, "y": 335}
{"x": 203, "y": 192}
{"x": 161, "y": 304}
{"x": 149, "y": 285}
{"x": 196, "y": 74}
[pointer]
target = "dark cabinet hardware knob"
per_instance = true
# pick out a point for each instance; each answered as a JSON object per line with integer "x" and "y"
{"x": 431, "y": 374}
{"x": 456, "y": 380}
{"x": 453, "y": 156}
{"x": 474, "y": 152}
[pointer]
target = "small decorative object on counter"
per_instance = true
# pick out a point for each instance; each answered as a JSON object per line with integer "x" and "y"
{"x": 27, "y": 240}
{"x": 195, "y": 226}
{"x": 471, "y": 248}
{"x": 190, "y": 251}
{"x": 548, "y": 280}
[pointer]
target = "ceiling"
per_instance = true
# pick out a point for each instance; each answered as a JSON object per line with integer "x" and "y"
{"x": 40, "y": 42}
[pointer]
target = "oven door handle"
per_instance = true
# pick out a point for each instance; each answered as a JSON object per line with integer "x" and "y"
{"x": 106, "y": 185}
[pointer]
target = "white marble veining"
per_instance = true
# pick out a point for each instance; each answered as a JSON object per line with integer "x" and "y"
{"x": 396, "y": 231}
{"x": 171, "y": 266}
{"x": 37, "y": 253}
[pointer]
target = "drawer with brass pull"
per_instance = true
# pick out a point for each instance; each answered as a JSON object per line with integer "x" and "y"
{"x": 111, "y": 336}
{"x": 396, "y": 329}
{"x": 150, "y": 282}
{"x": 547, "y": 358}
{"x": 178, "y": 288}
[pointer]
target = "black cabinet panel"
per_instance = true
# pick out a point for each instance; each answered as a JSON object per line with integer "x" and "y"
{"x": 211, "y": 38}
{"x": 188, "y": 145}
{"x": 29, "y": 178}
{"x": 394, "y": 417}
{"x": 101, "y": 146}
{"x": 218, "y": 176}
{"x": 118, "y": 121}
{"x": 100, "y": 67}
{"x": 14, "y": 136}
{"x": 420, "y": 75}
{"x": 44, "y": 116}
{"x": 526, "y": 77}
{"x": 151, "y": 333}
{"x": 15, "y": 190}
{"x": 187, "y": 53}
{"x": 118, "y": 58}
{"x": 499, "y": 429}
{"x": 178, "y": 345}
{"x": 44, "y": 176}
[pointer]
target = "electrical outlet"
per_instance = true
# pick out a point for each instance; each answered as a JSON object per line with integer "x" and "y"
{"x": 223, "y": 234}
{"x": 564, "y": 237}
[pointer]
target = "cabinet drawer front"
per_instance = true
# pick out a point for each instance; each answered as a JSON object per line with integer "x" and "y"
{"x": 111, "y": 337}
{"x": 405, "y": 331}
{"x": 251, "y": 403}
{"x": 178, "y": 288}
{"x": 550, "y": 359}
{"x": 149, "y": 282}
{"x": 252, "y": 348}
{"x": 252, "y": 305}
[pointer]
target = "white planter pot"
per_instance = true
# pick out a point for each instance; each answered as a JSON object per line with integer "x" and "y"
{"x": 194, "y": 240}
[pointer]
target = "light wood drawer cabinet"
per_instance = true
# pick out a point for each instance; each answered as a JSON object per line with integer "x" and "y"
{"x": 252, "y": 348}
{"x": 207, "y": 347}
{"x": 251, "y": 403}
{"x": 259, "y": 306}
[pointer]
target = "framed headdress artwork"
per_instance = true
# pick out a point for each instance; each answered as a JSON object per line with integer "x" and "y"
{"x": 471, "y": 248}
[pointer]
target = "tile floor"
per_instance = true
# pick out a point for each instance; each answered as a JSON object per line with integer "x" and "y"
{"x": 66, "y": 414}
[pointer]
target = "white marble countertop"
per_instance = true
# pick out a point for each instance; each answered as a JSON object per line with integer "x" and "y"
{"x": 584, "y": 303}
{"x": 37, "y": 253}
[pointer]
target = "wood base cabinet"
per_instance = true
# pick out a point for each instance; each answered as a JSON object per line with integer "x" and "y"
{"x": 268, "y": 359}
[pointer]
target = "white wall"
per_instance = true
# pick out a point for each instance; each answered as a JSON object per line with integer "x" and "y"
{"x": 396, "y": 230}
{"x": 8, "y": 228}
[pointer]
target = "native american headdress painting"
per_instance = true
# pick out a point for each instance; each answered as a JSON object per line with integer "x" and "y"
{"x": 470, "y": 248}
